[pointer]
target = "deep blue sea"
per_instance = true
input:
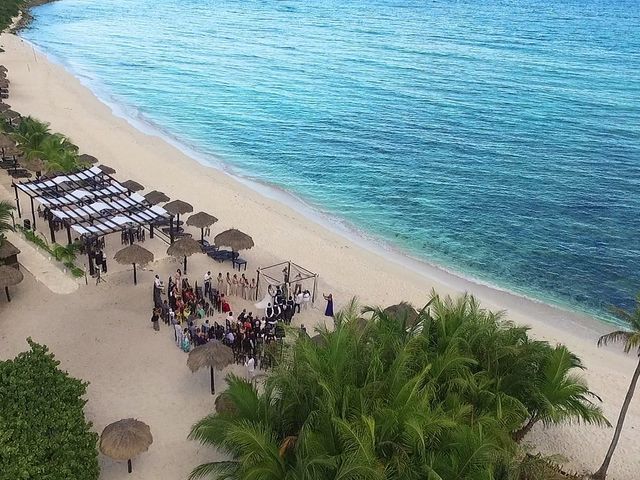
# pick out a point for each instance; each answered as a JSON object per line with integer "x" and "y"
{"x": 500, "y": 139}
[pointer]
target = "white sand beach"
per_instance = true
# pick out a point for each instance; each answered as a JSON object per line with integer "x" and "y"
{"x": 102, "y": 333}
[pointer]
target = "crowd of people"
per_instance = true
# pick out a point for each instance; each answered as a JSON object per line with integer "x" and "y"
{"x": 198, "y": 315}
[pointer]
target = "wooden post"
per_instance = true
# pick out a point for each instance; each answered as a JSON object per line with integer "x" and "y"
{"x": 6, "y": 290}
{"x": 69, "y": 234}
{"x": 171, "y": 229}
{"x": 33, "y": 215}
{"x": 151, "y": 230}
{"x": 15, "y": 187}
{"x": 213, "y": 383}
{"x": 185, "y": 264}
{"x": 129, "y": 466}
{"x": 51, "y": 230}
{"x": 135, "y": 277}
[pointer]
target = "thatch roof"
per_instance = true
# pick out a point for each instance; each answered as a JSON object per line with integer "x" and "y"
{"x": 185, "y": 247}
{"x": 178, "y": 207}
{"x": 132, "y": 185}
{"x": 124, "y": 439}
{"x": 201, "y": 220}
{"x": 133, "y": 254}
{"x": 212, "y": 354}
{"x": 224, "y": 404}
{"x": 10, "y": 276}
{"x": 235, "y": 239}
{"x": 34, "y": 164}
{"x": 403, "y": 312}
{"x": 8, "y": 114}
{"x": 156, "y": 197}
{"x": 6, "y": 141}
{"x": 88, "y": 159}
{"x": 319, "y": 340}
{"x": 106, "y": 169}
{"x": 4, "y": 107}
{"x": 8, "y": 249}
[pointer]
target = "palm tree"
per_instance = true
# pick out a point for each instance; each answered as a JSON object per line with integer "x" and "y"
{"x": 560, "y": 396}
{"x": 6, "y": 225}
{"x": 436, "y": 399}
{"x": 631, "y": 341}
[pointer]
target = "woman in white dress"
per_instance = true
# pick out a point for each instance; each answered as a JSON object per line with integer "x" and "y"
{"x": 306, "y": 299}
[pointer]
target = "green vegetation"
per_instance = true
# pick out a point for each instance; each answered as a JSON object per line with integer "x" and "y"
{"x": 630, "y": 339}
{"x": 43, "y": 431}
{"x": 65, "y": 254}
{"x": 6, "y": 209}
{"x": 446, "y": 396}
{"x": 55, "y": 150}
{"x": 8, "y": 10}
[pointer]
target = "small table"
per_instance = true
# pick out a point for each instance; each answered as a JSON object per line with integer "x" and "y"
{"x": 239, "y": 262}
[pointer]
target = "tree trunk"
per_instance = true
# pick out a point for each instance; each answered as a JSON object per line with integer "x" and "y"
{"x": 601, "y": 474}
{"x": 518, "y": 435}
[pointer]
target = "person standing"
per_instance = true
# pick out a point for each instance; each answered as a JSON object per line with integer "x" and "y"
{"x": 228, "y": 285}
{"x": 155, "y": 320}
{"x": 306, "y": 299}
{"x": 299, "y": 300}
{"x": 207, "y": 284}
{"x": 329, "y": 310}
{"x": 252, "y": 289}
{"x": 243, "y": 286}
{"x": 234, "y": 285}
{"x": 251, "y": 368}
{"x": 220, "y": 281}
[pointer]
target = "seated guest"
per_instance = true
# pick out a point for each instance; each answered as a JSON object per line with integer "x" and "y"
{"x": 242, "y": 315}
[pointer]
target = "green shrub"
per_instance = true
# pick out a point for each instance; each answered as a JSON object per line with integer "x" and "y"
{"x": 8, "y": 10}
{"x": 77, "y": 272}
{"x": 43, "y": 431}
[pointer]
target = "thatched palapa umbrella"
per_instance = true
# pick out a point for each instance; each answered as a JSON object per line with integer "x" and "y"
{"x": 235, "y": 239}
{"x": 403, "y": 312}
{"x": 87, "y": 159}
{"x": 6, "y": 143}
{"x": 185, "y": 247}
{"x": 177, "y": 207}
{"x": 10, "y": 114}
{"x": 201, "y": 220}
{"x": 107, "y": 170}
{"x": 156, "y": 197}
{"x": 224, "y": 404}
{"x": 3, "y": 68}
{"x": 34, "y": 164}
{"x": 9, "y": 276}
{"x": 212, "y": 354}
{"x": 125, "y": 439}
{"x": 132, "y": 186}
{"x": 4, "y": 107}
{"x": 134, "y": 254}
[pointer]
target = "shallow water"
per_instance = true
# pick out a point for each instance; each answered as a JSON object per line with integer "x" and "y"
{"x": 498, "y": 138}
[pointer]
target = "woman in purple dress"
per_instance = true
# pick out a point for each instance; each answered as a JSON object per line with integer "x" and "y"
{"x": 329, "y": 310}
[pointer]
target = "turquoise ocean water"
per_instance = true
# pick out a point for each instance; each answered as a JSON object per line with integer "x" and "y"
{"x": 500, "y": 139}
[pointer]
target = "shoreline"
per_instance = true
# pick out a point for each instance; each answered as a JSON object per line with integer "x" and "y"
{"x": 342, "y": 227}
{"x": 49, "y": 92}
